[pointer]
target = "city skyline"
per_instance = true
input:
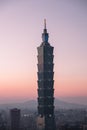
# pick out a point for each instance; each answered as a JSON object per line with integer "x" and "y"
{"x": 21, "y": 26}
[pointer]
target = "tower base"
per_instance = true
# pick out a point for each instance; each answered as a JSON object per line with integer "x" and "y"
{"x": 46, "y": 123}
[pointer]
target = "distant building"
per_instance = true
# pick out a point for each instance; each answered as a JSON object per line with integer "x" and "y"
{"x": 15, "y": 119}
{"x": 84, "y": 127}
{"x": 46, "y": 118}
{"x": 85, "y": 121}
{"x": 2, "y": 123}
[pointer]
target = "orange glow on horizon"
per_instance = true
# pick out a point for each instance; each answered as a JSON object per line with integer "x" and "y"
{"x": 28, "y": 88}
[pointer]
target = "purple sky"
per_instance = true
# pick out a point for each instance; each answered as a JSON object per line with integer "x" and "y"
{"x": 21, "y": 25}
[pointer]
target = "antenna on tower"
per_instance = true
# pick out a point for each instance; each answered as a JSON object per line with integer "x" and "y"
{"x": 44, "y": 23}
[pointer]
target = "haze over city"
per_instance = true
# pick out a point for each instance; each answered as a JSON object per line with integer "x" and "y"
{"x": 21, "y": 26}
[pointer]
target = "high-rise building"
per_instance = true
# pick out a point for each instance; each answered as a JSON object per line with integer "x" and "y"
{"x": 15, "y": 119}
{"x": 46, "y": 118}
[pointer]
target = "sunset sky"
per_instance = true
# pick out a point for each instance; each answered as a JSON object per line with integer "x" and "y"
{"x": 21, "y": 26}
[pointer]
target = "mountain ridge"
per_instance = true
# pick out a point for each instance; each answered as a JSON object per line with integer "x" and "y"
{"x": 32, "y": 104}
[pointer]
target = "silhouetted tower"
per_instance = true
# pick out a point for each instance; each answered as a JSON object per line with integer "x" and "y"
{"x": 15, "y": 119}
{"x": 46, "y": 119}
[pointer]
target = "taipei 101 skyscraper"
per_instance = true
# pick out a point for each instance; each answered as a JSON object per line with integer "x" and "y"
{"x": 46, "y": 118}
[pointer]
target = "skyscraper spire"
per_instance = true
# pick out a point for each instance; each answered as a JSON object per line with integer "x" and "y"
{"x": 45, "y": 29}
{"x": 44, "y": 23}
{"x": 45, "y": 35}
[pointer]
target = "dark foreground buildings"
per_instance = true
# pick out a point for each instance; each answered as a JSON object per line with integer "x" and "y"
{"x": 46, "y": 119}
{"x": 15, "y": 119}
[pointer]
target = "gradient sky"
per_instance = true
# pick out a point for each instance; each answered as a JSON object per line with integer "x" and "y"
{"x": 21, "y": 26}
